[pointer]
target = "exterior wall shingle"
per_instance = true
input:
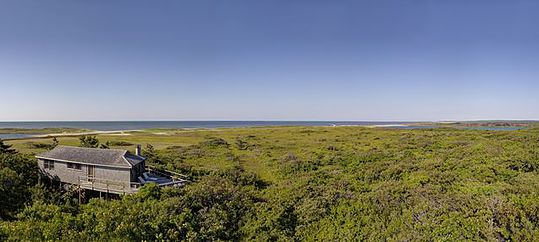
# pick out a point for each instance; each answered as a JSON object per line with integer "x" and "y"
{"x": 69, "y": 175}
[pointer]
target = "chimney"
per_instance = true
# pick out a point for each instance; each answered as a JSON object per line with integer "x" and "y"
{"x": 137, "y": 151}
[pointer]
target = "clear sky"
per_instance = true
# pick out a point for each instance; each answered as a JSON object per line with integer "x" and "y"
{"x": 269, "y": 60}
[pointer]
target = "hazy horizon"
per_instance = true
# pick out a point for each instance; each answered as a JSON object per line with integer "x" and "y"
{"x": 275, "y": 120}
{"x": 270, "y": 61}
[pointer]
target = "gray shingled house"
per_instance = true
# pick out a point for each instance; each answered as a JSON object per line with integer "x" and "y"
{"x": 107, "y": 170}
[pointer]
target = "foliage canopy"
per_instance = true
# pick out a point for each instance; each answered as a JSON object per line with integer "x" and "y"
{"x": 308, "y": 183}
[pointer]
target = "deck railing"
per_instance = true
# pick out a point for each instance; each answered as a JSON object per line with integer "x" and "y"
{"x": 126, "y": 187}
{"x": 108, "y": 185}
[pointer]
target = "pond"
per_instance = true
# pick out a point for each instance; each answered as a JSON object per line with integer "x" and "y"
{"x": 485, "y": 128}
{"x": 495, "y": 128}
{"x": 417, "y": 127}
{"x": 15, "y": 136}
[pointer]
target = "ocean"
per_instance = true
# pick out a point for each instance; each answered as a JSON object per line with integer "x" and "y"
{"x": 137, "y": 125}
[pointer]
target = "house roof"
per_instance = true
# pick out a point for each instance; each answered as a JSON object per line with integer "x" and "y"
{"x": 105, "y": 157}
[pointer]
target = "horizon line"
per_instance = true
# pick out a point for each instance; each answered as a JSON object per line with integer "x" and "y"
{"x": 270, "y": 120}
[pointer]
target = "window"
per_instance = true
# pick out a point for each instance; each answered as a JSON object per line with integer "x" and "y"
{"x": 48, "y": 164}
{"x": 74, "y": 166}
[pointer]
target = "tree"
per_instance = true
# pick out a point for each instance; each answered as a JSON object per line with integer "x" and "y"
{"x": 89, "y": 141}
{"x": 18, "y": 173}
{"x": 55, "y": 142}
{"x": 150, "y": 151}
{"x": 150, "y": 154}
{"x": 11, "y": 195}
{"x": 4, "y": 148}
{"x": 211, "y": 210}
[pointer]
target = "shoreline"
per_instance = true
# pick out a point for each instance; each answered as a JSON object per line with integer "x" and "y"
{"x": 83, "y": 133}
{"x": 46, "y": 136}
{"x": 125, "y": 132}
{"x": 163, "y": 130}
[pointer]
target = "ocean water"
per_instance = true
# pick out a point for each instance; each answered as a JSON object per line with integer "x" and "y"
{"x": 136, "y": 125}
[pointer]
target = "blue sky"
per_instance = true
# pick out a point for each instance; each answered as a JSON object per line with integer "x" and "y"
{"x": 269, "y": 60}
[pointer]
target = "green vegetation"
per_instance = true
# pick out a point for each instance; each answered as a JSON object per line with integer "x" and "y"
{"x": 41, "y": 131}
{"x": 6, "y": 149}
{"x": 89, "y": 141}
{"x": 47, "y": 146}
{"x": 298, "y": 183}
{"x": 18, "y": 175}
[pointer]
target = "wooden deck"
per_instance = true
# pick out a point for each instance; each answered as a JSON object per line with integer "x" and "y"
{"x": 108, "y": 186}
{"x": 119, "y": 187}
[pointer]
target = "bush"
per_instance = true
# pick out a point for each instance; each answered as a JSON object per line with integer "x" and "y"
{"x": 119, "y": 143}
{"x": 215, "y": 142}
{"x": 18, "y": 174}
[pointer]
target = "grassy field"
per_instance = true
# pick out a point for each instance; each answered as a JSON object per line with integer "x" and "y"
{"x": 41, "y": 131}
{"x": 365, "y": 183}
{"x": 267, "y": 146}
